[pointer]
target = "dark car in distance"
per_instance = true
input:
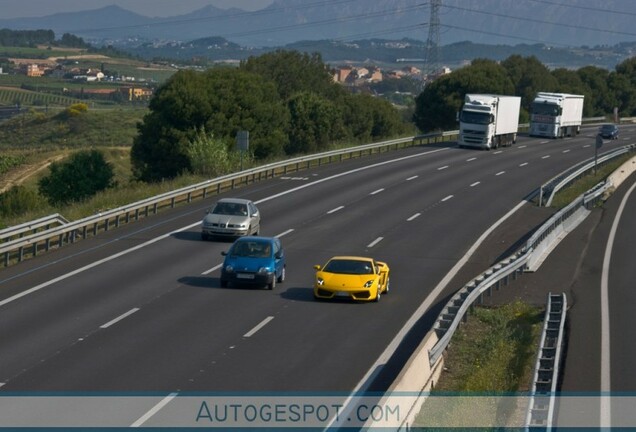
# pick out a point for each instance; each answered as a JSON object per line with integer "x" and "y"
{"x": 608, "y": 131}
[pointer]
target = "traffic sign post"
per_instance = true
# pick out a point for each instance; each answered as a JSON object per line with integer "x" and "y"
{"x": 242, "y": 143}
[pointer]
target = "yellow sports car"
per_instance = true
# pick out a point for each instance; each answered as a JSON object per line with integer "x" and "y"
{"x": 352, "y": 277}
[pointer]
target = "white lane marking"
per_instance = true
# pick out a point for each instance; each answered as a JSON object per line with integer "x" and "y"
{"x": 376, "y": 191}
{"x": 258, "y": 327}
{"x": 587, "y": 145}
{"x": 475, "y": 184}
{"x": 605, "y": 316}
{"x": 471, "y": 159}
{"x": 2, "y": 384}
{"x": 523, "y": 164}
{"x": 198, "y": 223}
{"x": 415, "y": 216}
{"x": 94, "y": 264}
{"x": 391, "y": 348}
{"x": 447, "y": 198}
{"x": 522, "y": 146}
{"x": 335, "y": 209}
{"x": 544, "y": 142}
{"x": 411, "y": 178}
{"x": 498, "y": 151}
{"x": 216, "y": 267}
{"x": 545, "y": 157}
{"x": 442, "y": 168}
{"x": 154, "y": 410}
{"x": 119, "y": 318}
{"x": 375, "y": 242}
{"x": 500, "y": 173}
{"x": 566, "y": 151}
{"x": 353, "y": 171}
{"x": 284, "y": 233}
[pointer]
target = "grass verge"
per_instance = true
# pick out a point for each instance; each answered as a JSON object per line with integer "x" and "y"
{"x": 492, "y": 353}
{"x": 585, "y": 183}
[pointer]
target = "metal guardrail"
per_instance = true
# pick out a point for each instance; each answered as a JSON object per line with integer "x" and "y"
{"x": 551, "y": 187}
{"x": 546, "y": 371}
{"x": 455, "y": 310}
{"x": 32, "y": 227}
{"x": 16, "y": 250}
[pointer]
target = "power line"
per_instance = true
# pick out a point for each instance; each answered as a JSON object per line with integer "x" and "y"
{"x": 593, "y": 9}
{"x": 526, "y": 19}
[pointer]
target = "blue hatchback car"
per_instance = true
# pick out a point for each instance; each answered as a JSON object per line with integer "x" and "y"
{"x": 254, "y": 260}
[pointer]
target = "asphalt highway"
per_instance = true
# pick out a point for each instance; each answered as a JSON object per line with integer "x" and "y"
{"x": 140, "y": 308}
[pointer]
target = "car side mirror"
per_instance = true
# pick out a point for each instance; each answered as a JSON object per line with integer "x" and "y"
{"x": 317, "y": 267}
{"x": 224, "y": 253}
{"x": 278, "y": 255}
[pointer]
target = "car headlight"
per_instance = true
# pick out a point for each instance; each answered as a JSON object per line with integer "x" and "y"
{"x": 369, "y": 284}
{"x": 229, "y": 269}
{"x": 263, "y": 270}
{"x": 320, "y": 281}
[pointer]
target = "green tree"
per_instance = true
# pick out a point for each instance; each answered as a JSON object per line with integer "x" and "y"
{"x": 437, "y": 105}
{"x": 82, "y": 176}
{"x": 223, "y": 101}
{"x": 529, "y": 77}
{"x": 294, "y": 72}
{"x": 596, "y": 79}
{"x": 314, "y": 123}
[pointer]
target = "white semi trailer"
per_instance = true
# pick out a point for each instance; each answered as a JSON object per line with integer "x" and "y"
{"x": 555, "y": 115}
{"x": 488, "y": 121}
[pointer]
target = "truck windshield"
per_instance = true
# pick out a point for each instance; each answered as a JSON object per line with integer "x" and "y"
{"x": 475, "y": 117}
{"x": 545, "y": 109}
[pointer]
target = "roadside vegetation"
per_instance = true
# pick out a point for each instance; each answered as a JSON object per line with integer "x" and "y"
{"x": 565, "y": 196}
{"x": 493, "y": 353}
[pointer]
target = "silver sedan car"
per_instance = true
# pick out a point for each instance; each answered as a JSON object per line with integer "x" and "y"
{"x": 231, "y": 217}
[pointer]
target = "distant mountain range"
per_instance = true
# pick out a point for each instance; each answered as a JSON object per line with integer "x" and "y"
{"x": 555, "y": 23}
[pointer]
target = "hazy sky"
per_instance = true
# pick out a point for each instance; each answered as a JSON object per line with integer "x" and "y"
{"x": 150, "y": 8}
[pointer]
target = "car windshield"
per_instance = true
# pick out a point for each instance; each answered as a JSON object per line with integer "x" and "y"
{"x": 252, "y": 249}
{"x": 231, "y": 209}
{"x": 344, "y": 266}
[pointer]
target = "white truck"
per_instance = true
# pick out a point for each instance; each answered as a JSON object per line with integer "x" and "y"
{"x": 488, "y": 121}
{"x": 556, "y": 115}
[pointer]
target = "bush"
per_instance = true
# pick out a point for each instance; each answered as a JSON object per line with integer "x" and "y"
{"x": 19, "y": 200}
{"x": 81, "y": 177}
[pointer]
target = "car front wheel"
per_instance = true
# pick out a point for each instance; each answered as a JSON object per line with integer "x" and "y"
{"x": 281, "y": 278}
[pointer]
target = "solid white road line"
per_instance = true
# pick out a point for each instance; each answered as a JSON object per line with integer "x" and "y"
{"x": 415, "y": 216}
{"x": 335, "y": 210}
{"x": 258, "y": 327}
{"x": 471, "y": 159}
{"x": 500, "y": 173}
{"x": 498, "y": 151}
{"x": 566, "y": 151}
{"x": 376, "y": 191}
{"x": 375, "y": 369}
{"x": 545, "y": 157}
{"x": 119, "y": 318}
{"x": 587, "y": 145}
{"x": 475, "y": 184}
{"x": 523, "y": 164}
{"x": 447, "y": 198}
{"x": 412, "y": 178}
{"x": 154, "y": 410}
{"x": 198, "y": 223}
{"x": 442, "y": 168}
{"x": 606, "y": 385}
{"x": 522, "y": 146}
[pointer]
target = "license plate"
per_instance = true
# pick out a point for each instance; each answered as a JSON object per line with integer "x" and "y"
{"x": 342, "y": 294}
{"x": 244, "y": 276}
